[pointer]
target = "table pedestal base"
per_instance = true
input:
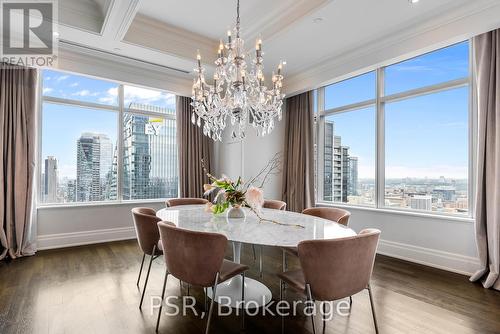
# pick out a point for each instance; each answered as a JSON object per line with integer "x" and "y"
{"x": 229, "y": 292}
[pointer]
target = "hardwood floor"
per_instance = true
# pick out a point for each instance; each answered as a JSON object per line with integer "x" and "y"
{"x": 91, "y": 289}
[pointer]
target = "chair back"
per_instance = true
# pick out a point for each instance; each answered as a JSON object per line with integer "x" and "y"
{"x": 145, "y": 220}
{"x": 184, "y": 201}
{"x": 274, "y": 204}
{"x": 193, "y": 257}
{"x": 340, "y": 216}
{"x": 338, "y": 268}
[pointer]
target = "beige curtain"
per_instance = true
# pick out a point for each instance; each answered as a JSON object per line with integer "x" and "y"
{"x": 298, "y": 167}
{"x": 193, "y": 146}
{"x": 17, "y": 160}
{"x": 487, "y": 66}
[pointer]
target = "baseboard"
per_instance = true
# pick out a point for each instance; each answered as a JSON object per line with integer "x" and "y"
{"x": 60, "y": 240}
{"x": 456, "y": 263}
{"x": 430, "y": 257}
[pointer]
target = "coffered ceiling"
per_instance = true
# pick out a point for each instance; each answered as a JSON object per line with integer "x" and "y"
{"x": 306, "y": 33}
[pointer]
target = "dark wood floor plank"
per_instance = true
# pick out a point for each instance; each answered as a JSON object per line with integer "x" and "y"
{"x": 91, "y": 289}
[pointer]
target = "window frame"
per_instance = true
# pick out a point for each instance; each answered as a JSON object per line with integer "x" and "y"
{"x": 120, "y": 111}
{"x": 379, "y": 141}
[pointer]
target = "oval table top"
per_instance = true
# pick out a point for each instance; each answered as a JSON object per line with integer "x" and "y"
{"x": 250, "y": 230}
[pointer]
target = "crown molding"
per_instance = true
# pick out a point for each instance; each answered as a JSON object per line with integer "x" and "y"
{"x": 119, "y": 17}
{"x": 103, "y": 64}
{"x": 156, "y": 35}
{"x": 460, "y": 24}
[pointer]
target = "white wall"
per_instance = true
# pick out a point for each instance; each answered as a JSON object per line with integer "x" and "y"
{"x": 440, "y": 242}
{"x": 248, "y": 157}
{"x": 77, "y": 225}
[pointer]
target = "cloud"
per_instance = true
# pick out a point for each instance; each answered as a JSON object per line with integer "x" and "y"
{"x": 85, "y": 92}
{"x": 62, "y": 77}
{"x": 110, "y": 97}
{"x": 74, "y": 84}
{"x": 47, "y": 90}
{"x": 148, "y": 97}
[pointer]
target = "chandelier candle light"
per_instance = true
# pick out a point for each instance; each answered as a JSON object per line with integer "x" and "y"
{"x": 237, "y": 92}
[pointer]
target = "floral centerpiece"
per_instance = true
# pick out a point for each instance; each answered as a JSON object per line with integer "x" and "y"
{"x": 234, "y": 195}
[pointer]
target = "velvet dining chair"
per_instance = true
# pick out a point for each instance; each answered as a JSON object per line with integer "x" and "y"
{"x": 334, "y": 269}
{"x": 188, "y": 260}
{"x": 337, "y": 215}
{"x": 184, "y": 201}
{"x": 146, "y": 230}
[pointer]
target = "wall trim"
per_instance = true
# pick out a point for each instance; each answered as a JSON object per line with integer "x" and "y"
{"x": 61, "y": 240}
{"x": 457, "y": 263}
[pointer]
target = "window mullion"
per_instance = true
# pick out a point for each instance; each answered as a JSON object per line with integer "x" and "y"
{"x": 380, "y": 141}
{"x": 320, "y": 143}
{"x": 119, "y": 162}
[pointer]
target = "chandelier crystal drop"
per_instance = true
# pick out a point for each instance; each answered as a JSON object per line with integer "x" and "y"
{"x": 238, "y": 91}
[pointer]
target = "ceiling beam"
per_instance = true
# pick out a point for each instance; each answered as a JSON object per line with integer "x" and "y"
{"x": 118, "y": 19}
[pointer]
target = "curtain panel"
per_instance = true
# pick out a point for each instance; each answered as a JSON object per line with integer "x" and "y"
{"x": 17, "y": 160}
{"x": 487, "y": 225}
{"x": 298, "y": 164}
{"x": 193, "y": 147}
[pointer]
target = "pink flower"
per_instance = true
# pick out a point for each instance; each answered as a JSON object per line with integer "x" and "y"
{"x": 255, "y": 197}
{"x": 208, "y": 207}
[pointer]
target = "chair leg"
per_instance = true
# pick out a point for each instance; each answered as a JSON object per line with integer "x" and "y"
{"x": 147, "y": 276}
{"x": 206, "y": 306}
{"x": 243, "y": 301}
{"x": 162, "y": 297}
{"x": 253, "y": 250}
{"x": 284, "y": 260}
{"x": 350, "y": 301}
{"x": 140, "y": 270}
{"x": 373, "y": 309}
{"x": 214, "y": 293}
{"x": 323, "y": 309}
{"x": 260, "y": 262}
{"x": 309, "y": 298}
{"x": 282, "y": 287}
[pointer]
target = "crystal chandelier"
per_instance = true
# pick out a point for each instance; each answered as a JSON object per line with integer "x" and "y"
{"x": 238, "y": 91}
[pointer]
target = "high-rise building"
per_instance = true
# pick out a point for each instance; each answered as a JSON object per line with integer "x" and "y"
{"x": 421, "y": 202}
{"x": 353, "y": 176}
{"x": 149, "y": 158}
{"x": 136, "y": 157}
{"x": 94, "y": 160}
{"x": 340, "y": 170}
{"x": 50, "y": 180}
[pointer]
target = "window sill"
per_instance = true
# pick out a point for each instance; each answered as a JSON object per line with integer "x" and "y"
{"x": 459, "y": 219}
{"x": 98, "y": 204}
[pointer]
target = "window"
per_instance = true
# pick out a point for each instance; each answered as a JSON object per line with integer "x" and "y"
{"x": 433, "y": 68}
{"x": 357, "y": 89}
{"x": 81, "y": 148}
{"x": 417, "y": 133}
{"x": 348, "y": 141}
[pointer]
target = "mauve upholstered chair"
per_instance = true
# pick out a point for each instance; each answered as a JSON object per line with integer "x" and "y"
{"x": 337, "y": 215}
{"x": 268, "y": 204}
{"x": 145, "y": 221}
{"x": 274, "y": 204}
{"x": 334, "y": 269}
{"x": 184, "y": 201}
{"x": 197, "y": 258}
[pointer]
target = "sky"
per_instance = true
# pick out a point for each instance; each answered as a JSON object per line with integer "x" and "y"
{"x": 425, "y": 136}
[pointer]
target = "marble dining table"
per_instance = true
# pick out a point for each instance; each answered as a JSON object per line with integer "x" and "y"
{"x": 283, "y": 232}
